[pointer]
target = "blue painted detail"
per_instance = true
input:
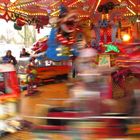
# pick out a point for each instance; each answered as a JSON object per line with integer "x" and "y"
{"x": 58, "y": 52}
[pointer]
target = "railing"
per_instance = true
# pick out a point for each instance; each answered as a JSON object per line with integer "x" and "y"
{"x": 84, "y": 117}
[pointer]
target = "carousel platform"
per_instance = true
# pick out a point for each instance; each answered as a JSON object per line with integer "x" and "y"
{"x": 22, "y": 135}
{"x": 33, "y": 106}
{"x": 30, "y": 104}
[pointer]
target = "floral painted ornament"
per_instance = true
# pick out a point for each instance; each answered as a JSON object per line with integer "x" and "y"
{"x": 111, "y": 48}
{"x": 65, "y": 41}
{"x": 61, "y": 41}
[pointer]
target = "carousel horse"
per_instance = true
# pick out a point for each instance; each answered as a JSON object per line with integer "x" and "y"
{"x": 61, "y": 42}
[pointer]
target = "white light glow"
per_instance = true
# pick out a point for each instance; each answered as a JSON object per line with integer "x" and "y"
{"x": 12, "y": 1}
{"x": 127, "y": 6}
{"x": 137, "y": 20}
{"x": 132, "y": 3}
{"x": 126, "y": 37}
{"x": 99, "y": 1}
{"x": 131, "y": 11}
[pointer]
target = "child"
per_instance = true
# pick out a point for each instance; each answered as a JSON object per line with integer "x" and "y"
{"x": 31, "y": 80}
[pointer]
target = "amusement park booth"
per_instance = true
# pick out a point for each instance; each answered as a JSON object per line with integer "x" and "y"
{"x": 9, "y": 93}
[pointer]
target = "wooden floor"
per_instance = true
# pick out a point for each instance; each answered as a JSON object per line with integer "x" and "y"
{"x": 29, "y": 103}
{"x": 30, "y": 106}
{"x": 22, "y": 135}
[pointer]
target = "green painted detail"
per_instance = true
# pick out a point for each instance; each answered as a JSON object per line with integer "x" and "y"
{"x": 110, "y": 48}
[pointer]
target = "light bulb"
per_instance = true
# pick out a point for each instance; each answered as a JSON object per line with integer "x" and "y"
{"x": 12, "y": 1}
{"x": 126, "y": 37}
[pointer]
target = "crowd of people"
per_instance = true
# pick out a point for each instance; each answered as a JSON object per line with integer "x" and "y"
{"x": 30, "y": 69}
{"x": 9, "y": 58}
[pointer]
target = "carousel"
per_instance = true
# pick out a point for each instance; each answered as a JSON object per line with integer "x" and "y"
{"x": 94, "y": 46}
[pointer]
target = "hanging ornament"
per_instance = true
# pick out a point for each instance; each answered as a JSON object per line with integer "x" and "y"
{"x": 42, "y": 20}
{"x": 17, "y": 27}
{"x": 20, "y": 22}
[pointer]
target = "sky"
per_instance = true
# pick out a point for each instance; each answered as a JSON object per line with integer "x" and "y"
{"x": 4, "y": 26}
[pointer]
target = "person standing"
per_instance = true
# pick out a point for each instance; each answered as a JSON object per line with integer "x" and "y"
{"x": 9, "y": 58}
{"x": 23, "y": 53}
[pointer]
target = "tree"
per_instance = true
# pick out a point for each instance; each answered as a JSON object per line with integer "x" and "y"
{"x": 28, "y": 35}
{"x": 2, "y": 38}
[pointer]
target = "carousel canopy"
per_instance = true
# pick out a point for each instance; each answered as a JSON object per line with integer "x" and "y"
{"x": 37, "y": 12}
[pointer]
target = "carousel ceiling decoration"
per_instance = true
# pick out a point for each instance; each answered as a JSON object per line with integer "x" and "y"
{"x": 37, "y": 12}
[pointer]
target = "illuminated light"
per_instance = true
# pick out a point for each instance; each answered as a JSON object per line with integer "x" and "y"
{"x": 126, "y": 37}
{"x": 137, "y": 20}
{"x": 136, "y": 61}
{"x": 59, "y": 54}
{"x": 54, "y": 3}
{"x": 99, "y": 1}
{"x": 55, "y": 12}
{"x": 72, "y": 4}
{"x": 123, "y": 3}
{"x": 128, "y": 8}
{"x": 131, "y": 11}
{"x": 12, "y": 1}
{"x": 132, "y": 3}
